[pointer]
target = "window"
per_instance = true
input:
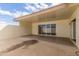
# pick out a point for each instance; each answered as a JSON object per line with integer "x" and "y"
{"x": 47, "y": 29}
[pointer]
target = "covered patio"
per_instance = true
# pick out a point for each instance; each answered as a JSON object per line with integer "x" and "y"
{"x": 57, "y": 21}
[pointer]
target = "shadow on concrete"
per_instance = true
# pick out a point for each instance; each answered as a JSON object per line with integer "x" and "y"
{"x": 24, "y": 43}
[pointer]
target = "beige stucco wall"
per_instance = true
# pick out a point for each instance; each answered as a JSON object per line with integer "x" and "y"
{"x": 13, "y": 31}
{"x": 62, "y": 27}
{"x": 75, "y": 15}
{"x": 77, "y": 25}
{"x": 27, "y": 27}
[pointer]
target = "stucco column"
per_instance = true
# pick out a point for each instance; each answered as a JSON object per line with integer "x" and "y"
{"x": 77, "y": 27}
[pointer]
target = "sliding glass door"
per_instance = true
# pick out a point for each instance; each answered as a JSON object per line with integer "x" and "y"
{"x": 47, "y": 29}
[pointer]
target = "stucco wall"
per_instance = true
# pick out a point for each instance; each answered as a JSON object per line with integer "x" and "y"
{"x": 27, "y": 27}
{"x": 75, "y": 15}
{"x": 10, "y": 32}
{"x": 13, "y": 31}
{"x": 62, "y": 27}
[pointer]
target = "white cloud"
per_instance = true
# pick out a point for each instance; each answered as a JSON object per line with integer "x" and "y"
{"x": 4, "y": 23}
{"x": 5, "y": 12}
{"x": 30, "y": 7}
{"x": 19, "y": 13}
{"x": 43, "y": 6}
{"x": 37, "y": 7}
{"x": 15, "y": 14}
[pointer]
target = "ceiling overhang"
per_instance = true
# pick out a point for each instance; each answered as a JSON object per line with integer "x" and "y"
{"x": 59, "y": 12}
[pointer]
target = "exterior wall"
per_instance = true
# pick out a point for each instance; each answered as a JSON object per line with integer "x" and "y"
{"x": 76, "y": 15}
{"x": 62, "y": 27}
{"x": 26, "y": 27}
{"x": 11, "y": 31}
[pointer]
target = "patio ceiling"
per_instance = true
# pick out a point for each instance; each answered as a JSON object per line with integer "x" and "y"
{"x": 59, "y": 12}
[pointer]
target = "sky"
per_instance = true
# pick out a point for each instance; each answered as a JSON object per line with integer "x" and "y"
{"x": 9, "y": 11}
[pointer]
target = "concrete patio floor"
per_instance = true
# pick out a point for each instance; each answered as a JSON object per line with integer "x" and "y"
{"x": 45, "y": 46}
